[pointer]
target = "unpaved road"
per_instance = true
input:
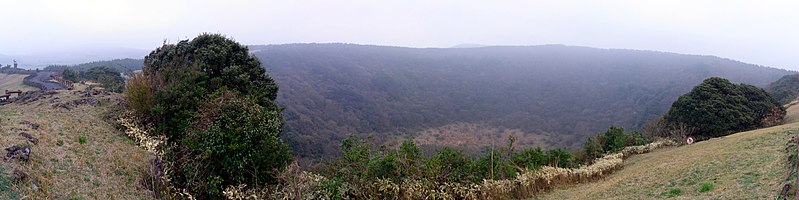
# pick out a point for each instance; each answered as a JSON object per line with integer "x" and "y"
{"x": 43, "y": 79}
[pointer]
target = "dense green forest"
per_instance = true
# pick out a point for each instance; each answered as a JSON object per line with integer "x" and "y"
{"x": 786, "y": 89}
{"x": 555, "y": 91}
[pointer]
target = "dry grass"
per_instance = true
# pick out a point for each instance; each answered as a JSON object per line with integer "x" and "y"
{"x": 747, "y": 165}
{"x": 14, "y": 82}
{"x": 793, "y": 112}
{"x": 107, "y": 165}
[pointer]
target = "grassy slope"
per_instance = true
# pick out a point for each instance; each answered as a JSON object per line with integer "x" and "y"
{"x": 108, "y": 165}
{"x": 746, "y": 165}
{"x": 13, "y": 82}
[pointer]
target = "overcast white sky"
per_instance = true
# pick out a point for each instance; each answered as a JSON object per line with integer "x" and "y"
{"x": 759, "y": 31}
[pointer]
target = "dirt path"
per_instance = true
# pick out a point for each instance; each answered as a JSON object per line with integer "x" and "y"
{"x": 43, "y": 78}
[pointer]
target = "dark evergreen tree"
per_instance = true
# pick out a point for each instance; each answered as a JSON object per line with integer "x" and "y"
{"x": 716, "y": 107}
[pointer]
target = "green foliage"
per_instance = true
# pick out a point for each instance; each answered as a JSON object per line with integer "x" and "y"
{"x": 591, "y": 149}
{"x": 786, "y": 89}
{"x": 706, "y": 187}
{"x": 216, "y": 106}
{"x": 183, "y": 74}
{"x": 108, "y": 77}
{"x": 449, "y": 165}
{"x": 70, "y": 75}
{"x": 6, "y": 185}
{"x": 531, "y": 158}
{"x": 138, "y": 94}
{"x": 82, "y": 139}
{"x": 613, "y": 140}
{"x": 492, "y": 165}
{"x": 673, "y": 192}
{"x": 717, "y": 107}
{"x": 234, "y": 142}
{"x": 361, "y": 164}
{"x": 59, "y": 143}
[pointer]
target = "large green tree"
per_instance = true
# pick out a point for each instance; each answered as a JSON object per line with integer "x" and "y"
{"x": 216, "y": 106}
{"x": 717, "y": 107}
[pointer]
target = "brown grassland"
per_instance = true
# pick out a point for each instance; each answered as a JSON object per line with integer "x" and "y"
{"x": 14, "y": 82}
{"x": 79, "y": 154}
{"x": 746, "y": 165}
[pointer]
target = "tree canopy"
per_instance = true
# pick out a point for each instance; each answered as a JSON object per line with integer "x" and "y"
{"x": 215, "y": 104}
{"x": 717, "y": 107}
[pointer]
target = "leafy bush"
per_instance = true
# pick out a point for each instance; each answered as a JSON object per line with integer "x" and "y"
{"x": 717, "y": 107}
{"x": 215, "y": 105}
{"x": 673, "y": 192}
{"x": 706, "y": 187}
{"x": 183, "y": 74}
{"x": 109, "y": 78}
{"x": 233, "y": 142}
{"x": 82, "y": 139}
{"x": 138, "y": 94}
{"x": 613, "y": 140}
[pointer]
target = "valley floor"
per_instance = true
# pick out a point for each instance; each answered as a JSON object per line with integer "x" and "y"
{"x": 746, "y": 165}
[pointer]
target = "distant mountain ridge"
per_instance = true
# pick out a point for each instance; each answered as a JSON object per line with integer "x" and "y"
{"x": 552, "y": 91}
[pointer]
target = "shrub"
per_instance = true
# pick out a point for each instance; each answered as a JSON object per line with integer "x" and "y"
{"x": 235, "y": 141}
{"x": 717, "y": 107}
{"x": 138, "y": 94}
{"x": 673, "y": 192}
{"x": 82, "y": 139}
{"x": 183, "y": 74}
{"x": 215, "y": 106}
{"x": 705, "y": 187}
{"x": 613, "y": 140}
{"x": 449, "y": 165}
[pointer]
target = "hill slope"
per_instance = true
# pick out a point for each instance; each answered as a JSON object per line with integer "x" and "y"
{"x": 13, "y": 82}
{"x": 746, "y": 165}
{"x": 78, "y": 155}
{"x": 551, "y": 96}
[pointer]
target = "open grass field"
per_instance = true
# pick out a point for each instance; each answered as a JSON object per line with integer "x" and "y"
{"x": 79, "y": 155}
{"x": 746, "y": 165}
{"x": 13, "y": 82}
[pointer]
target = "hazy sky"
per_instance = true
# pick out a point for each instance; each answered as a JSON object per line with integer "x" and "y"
{"x": 759, "y": 31}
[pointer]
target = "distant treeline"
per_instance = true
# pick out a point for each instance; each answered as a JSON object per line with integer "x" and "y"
{"x": 127, "y": 65}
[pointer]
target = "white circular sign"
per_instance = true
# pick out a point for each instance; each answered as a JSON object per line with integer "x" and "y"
{"x": 690, "y": 140}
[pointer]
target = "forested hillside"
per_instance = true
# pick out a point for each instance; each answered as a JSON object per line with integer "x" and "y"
{"x": 785, "y": 89}
{"x": 550, "y": 95}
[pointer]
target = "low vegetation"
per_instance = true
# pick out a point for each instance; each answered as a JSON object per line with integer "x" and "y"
{"x": 108, "y": 77}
